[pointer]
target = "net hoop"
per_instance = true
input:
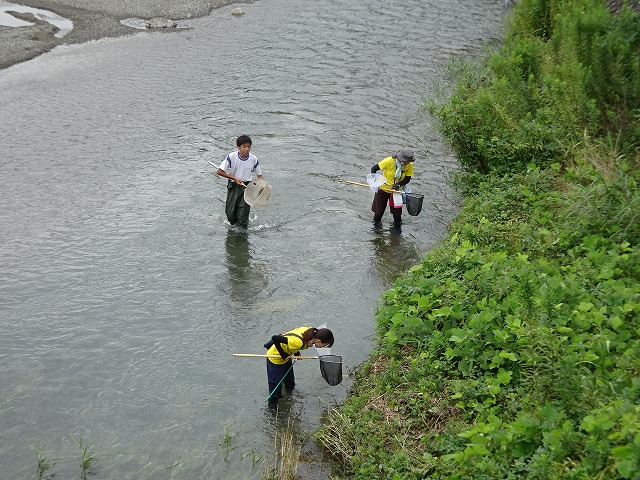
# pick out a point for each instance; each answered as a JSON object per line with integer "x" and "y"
{"x": 257, "y": 193}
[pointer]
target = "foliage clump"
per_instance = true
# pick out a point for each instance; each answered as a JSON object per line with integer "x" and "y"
{"x": 512, "y": 351}
{"x": 566, "y": 68}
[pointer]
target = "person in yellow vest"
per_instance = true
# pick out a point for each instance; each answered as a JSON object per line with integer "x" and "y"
{"x": 286, "y": 346}
{"x": 398, "y": 170}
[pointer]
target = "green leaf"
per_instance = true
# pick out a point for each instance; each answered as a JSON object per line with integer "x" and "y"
{"x": 504, "y": 376}
{"x": 585, "y": 306}
{"x": 458, "y": 335}
{"x": 626, "y": 468}
{"x": 494, "y": 389}
{"x": 508, "y": 355}
{"x": 624, "y": 452}
{"x": 452, "y": 457}
{"x": 423, "y": 301}
{"x": 553, "y": 439}
{"x": 616, "y": 322}
{"x": 468, "y": 433}
{"x": 442, "y": 311}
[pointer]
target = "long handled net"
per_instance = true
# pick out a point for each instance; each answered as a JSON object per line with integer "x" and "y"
{"x": 331, "y": 369}
{"x": 330, "y": 366}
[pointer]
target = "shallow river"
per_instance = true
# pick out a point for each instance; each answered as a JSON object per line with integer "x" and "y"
{"x": 124, "y": 291}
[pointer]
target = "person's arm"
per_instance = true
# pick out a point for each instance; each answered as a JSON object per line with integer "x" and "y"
{"x": 402, "y": 183}
{"x": 224, "y": 174}
{"x": 278, "y": 340}
{"x": 375, "y": 168}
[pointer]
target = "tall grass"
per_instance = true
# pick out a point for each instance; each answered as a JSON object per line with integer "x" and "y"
{"x": 566, "y": 67}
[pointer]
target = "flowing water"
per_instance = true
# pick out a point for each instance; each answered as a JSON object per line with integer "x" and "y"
{"x": 124, "y": 291}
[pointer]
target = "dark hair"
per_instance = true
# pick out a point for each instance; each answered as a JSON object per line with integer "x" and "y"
{"x": 322, "y": 334}
{"x": 325, "y": 336}
{"x": 242, "y": 139}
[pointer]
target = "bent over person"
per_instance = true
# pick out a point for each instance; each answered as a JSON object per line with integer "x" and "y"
{"x": 238, "y": 168}
{"x": 286, "y": 345}
{"x": 398, "y": 170}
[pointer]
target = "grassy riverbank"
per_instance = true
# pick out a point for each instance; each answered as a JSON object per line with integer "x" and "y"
{"x": 512, "y": 351}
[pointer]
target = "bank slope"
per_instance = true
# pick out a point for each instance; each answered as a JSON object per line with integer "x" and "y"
{"x": 512, "y": 351}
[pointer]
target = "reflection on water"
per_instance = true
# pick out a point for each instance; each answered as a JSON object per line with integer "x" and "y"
{"x": 246, "y": 276}
{"x": 394, "y": 252}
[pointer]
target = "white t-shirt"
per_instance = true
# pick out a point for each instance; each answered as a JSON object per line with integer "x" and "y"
{"x": 242, "y": 168}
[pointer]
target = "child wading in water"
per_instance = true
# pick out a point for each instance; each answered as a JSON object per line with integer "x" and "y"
{"x": 287, "y": 345}
{"x": 238, "y": 168}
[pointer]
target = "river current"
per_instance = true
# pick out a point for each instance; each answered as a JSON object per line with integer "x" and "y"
{"x": 124, "y": 290}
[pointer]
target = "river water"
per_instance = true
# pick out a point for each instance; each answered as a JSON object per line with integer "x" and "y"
{"x": 124, "y": 291}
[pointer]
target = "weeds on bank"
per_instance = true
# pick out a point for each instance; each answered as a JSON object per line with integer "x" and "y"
{"x": 565, "y": 67}
{"x": 513, "y": 350}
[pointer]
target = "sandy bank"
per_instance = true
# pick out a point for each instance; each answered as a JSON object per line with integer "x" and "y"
{"x": 92, "y": 20}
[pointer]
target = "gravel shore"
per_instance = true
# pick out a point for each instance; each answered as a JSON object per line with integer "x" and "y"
{"x": 92, "y": 20}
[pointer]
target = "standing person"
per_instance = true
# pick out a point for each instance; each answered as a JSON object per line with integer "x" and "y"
{"x": 238, "y": 168}
{"x": 398, "y": 170}
{"x": 286, "y": 345}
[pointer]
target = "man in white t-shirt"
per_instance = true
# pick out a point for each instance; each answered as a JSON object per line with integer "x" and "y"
{"x": 238, "y": 168}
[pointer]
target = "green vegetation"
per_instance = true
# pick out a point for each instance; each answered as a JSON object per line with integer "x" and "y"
{"x": 44, "y": 464}
{"x": 512, "y": 351}
{"x": 88, "y": 457}
{"x": 566, "y": 68}
{"x": 227, "y": 440}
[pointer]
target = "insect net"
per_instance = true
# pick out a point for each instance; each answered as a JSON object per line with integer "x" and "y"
{"x": 331, "y": 369}
{"x": 414, "y": 203}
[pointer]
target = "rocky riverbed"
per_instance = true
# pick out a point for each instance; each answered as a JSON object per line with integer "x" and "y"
{"x": 92, "y": 20}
